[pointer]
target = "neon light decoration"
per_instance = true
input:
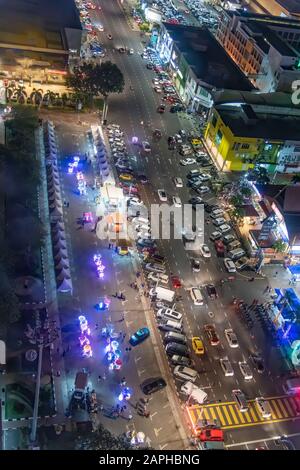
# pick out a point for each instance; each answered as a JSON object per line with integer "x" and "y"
{"x": 84, "y": 337}
{"x": 99, "y": 265}
{"x": 125, "y": 394}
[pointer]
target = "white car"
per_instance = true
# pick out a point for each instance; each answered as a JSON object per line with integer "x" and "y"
{"x": 158, "y": 277}
{"x": 263, "y": 407}
{"x": 158, "y": 89}
{"x": 135, "y": 201}
{"x": 219, "y": 221}
{"x": 203, "y": 189}
{"x": 194, "y": 392}
{"x": 229, "y": 265}
{"x": 216, "y": 213}
{"x": 224, "y": 228}
{"x": 131, "y": 51}
{"x": 231, "y": 338}
{"x": 226, "y": 367}
{"x": 176, "y": 201}
{"x": 245, "y": 370}
{"x": 162, "y": 195}
{"x": 178, "y": 182}
{"x": 146, "y": 146}
{"x": 205, "y": 251}
{"x": 187, "y": 161}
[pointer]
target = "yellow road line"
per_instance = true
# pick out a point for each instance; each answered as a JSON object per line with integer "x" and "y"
{"x": 212, "y": 412}
{"x": 230, "y": 407}
{"x": 206, "y": 413}
{"x": 246, "y": 414}
{"x": 240, "y": 415}
{"x": 224, "y": 409}
{"x": 251, "y": 410}
{"x": 274, "y": 404}
{"x": 287, "y": 404}
{"x": 294, "y": 405}
{"x": 282, "y": 408}
{"x": 220, "y": 416}
{"x": 259, "y": 423}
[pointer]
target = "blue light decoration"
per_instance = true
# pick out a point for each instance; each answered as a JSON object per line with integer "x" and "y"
{"x": 84, "y": 337}
{"x": 125, "y": 394}
{"x": 81, "y": 183}
{"x": 99, "y": 265}
{"x": 113, "y": 354}
{"x": 103, "y": 304}
{"x": 134, "y": 140}
{"x": 73, "y": 164}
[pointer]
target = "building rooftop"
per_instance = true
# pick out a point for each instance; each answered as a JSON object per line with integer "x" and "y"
{"x": 260, "y": 123}
{"x": 276, "y": 99}
{"x": 37, "y": 23}
{"x": 209, "y": 61}
{"x": 292, "y": 6}
{"x": 263, "y": 29}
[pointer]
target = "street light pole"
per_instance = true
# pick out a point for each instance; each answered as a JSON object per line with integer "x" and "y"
{"x": 37, "y": 394}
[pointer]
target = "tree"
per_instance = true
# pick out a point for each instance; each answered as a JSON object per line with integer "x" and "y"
{"x": 236, "y": 214}
{"x": 245, "y": 191}
{"x": 280, "y": 246}
{"x": 97, "y": 80}
{"x": 145, "y": 27}
{"x": 102, "y": 439}
{"x": 295, "y": 179}
{"x": 236, "y": 200}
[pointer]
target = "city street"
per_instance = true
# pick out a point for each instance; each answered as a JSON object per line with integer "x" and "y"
{"x": 170, "y": 419}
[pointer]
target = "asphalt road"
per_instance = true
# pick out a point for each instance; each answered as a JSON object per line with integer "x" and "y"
{"x": 164, "y": 427}
{"x": 161, "y": 166}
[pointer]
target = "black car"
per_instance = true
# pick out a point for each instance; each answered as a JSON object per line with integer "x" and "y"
{"x": 211, "y": 291}
{"x": 176, "y": 109}
{"x": 153, "y": 385}
{"x": 143, "y": 179}
{"x": 195, "y": 200}
{"x": 150, "y": 66}
{"x": 258, "y": 363}
{"x": 181, "y": 360}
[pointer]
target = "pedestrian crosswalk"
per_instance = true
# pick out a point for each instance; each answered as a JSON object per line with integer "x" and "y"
{"x": 228, "y": 415}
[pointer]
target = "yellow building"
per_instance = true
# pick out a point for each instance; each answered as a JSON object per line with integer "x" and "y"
{"x": 249, "y": 129}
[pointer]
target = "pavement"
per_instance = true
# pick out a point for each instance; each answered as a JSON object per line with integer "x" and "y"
{"x": 169, "y": 422}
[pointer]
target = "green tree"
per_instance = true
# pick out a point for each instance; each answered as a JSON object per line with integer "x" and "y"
{"x": 245, "y": 191}
{"x": 97, "y": 80}
{"x": 102, "y": 439}
{"x": 280, "y": 246}
{"x": 236, "y": 200}
{"x": 295, "y": 178}
{"x": 145, "y": 27}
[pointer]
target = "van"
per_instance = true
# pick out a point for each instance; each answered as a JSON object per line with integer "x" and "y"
{"x": 170, "y": 325}
{"x": 236, "y": 254}
{"x": 158, "y": 277}
{"x": 193, "y": 173}
{"x": 196, "y": 296}
{"x": 176, "y": 348}
{"x": 263, "y": 407}
{"x": 240, "y": 400}
{"x": 162, "y": 293}
{"x": 172, "y": 337}
{"x": 169, "y": 314}
{"x": 185, "y": 373}
{"x": 157, "y": 259}
{"x": 141, "y": 221}
{"x": 155, "y": 267}
{"x": 184, "y": 150}
{"x": 234, "y": 245}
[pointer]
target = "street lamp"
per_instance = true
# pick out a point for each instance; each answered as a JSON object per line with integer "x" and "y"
{"x": 43, "y": 336}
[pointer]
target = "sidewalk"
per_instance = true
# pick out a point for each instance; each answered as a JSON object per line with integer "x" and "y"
{"x": 280, "y": 280}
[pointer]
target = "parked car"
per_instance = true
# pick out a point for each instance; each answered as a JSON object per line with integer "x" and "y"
{"x": 212, "y": 334}
{"x": 152, "y": 385}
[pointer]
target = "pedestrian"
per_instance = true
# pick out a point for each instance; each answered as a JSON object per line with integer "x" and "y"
{"x": 58, "y": 373}
{"x": 138, "y": 274}
{"x": 64, "y": 353}
{"x": 130, "y": 417}
{"x": 109, "y": 246}
{"x": 57, "y": 350}
{"x": 104, "y": 376}
{"x": 123, "y": 382}
{"x": 99, "y": 378}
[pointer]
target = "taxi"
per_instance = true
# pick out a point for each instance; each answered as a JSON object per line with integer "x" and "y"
{"x": 125, "y": 177}
{"x": 197, "y": 345}
{"x": 196, "y": 142}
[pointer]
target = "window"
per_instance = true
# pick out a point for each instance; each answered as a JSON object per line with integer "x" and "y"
{"x": 245, "y": 146}
{"x": 218, "y": 138}
{"x": 236, "y": 146}
{"x": 214, "y": 121}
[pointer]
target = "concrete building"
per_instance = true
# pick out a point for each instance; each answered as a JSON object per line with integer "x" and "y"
{"x": 266, "y": 49}
{"x": 38, "y": 38}
{"x": 289, "y": 8}
{"x": 198, "y": 64}
{"x": 245, "y": 129}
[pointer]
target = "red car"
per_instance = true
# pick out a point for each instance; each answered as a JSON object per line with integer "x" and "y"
{"x": 176, "y": 283}
{"x": 220, "y": 248}
{"x": 212, "y": 334}
{"x": 211, "y": 435}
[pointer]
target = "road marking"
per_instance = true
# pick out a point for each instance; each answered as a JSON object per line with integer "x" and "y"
{"x": 153, "y": 414}
{"x": 261, "y": 440}
{"x": 157, "y": 431}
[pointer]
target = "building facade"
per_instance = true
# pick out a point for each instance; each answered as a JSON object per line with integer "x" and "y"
{"x": 254, "y": 129}
{"x": 198, "y": 64}
{"x": 266, "y": 49}
{"x": 290, "y": 8}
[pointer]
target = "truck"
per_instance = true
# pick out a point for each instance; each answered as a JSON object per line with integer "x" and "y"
{"x": 162, "y": 293}
{"x": 80, "y": 385}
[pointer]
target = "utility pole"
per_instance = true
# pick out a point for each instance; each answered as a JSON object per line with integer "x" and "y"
{"x": 43, "y": 336}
